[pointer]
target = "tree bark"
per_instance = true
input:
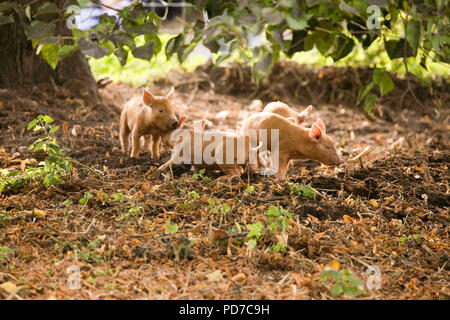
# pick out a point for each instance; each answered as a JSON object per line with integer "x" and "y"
{"x": 20, "y": 66}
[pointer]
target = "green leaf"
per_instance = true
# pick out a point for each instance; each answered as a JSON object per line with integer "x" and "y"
{"x": 383, "y": 80}
{"x": 299, "y": 23}
{"x": 252, "y": 243}
{"x": 122, "y": 38}
{"x": 364, "y": 91}
{"x": 46, "y": 8}
{"x": 377, "y": 75}
{"x": 333, "y": 274}
{"x": 28, "y": 12}
{"x": 321, "y": 39}
{"x": 171, "y": 227}
{"x": 337, "y": 290}
{"x": 386, "y": 85}
{"x": 153, "y": 38}
{"x": 50, "y": 53}
{"x": 222, "y": 58}
{"x": 66, "y": 50}
{"x": 54, "y": 129}
{"x": 144, "y": 52}
{"x": 264, "y": 63}
{"x": 92, "y": 49}
{"x": 352, "y": 291}
{"x": 93, "y": 244}
{"x": 395, "y": 49}
{"x": 39, "y": 29}
{"x": 47, "y": 119}
{"x": 132, "y": 27}
{"x": 173, "y": 44}
{"x": 413, "y": 35}
{"x": 32, "y": 124}
{"x": 273, "y": 211}
{"x": 122, "y": 54}
{"x": 342, "y": 47}
{"x": 272, "y": 16}
{"x": 255, "y": 230}
{"x": 368, "y": 102}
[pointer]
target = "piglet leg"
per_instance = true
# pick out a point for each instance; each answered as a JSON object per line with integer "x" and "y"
{"x": 155, "y": 147}
{"x": 135, "y": 145}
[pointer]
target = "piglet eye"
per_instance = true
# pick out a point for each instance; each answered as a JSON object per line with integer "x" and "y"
{"x": 161, "y": 111}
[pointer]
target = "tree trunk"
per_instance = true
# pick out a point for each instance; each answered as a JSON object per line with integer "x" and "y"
{"x": 20, "y": 66}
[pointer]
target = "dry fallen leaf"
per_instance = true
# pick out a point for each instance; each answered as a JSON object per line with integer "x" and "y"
{"x": 335, "y": 265}
{"x": 39, "y": 213}
{"x": 215, "y": 276}
{"x": 8, "y": 287}
{"x": 374, "y": 203}
{"x": 240, "y": 277}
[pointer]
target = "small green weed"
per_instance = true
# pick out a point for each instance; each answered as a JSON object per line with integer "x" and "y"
{"x": 343, "y": 283}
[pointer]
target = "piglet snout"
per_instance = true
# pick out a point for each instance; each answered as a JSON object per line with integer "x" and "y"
{"x": 174, "y": 124}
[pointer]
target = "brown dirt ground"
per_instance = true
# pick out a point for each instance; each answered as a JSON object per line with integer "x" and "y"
{"x": 391, "y": 210}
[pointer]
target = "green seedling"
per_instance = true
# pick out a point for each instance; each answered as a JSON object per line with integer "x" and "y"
{"x": 306, "y": 191}
{"x": 89, "y": 257}
{"x": 217, "y": 207}
{"x": 52, "y": 170}
{"x": 132, "y": 211}
{"x": 201, "y": 175}
{"x": 4, "y": 252}
{"x": 171, "y": 227}
{"x": 120, "y": 197}
{"x": 277, "y": 219}
{"x": 87, "y": 196}
{"x": 189, "y": 199}
{"x": 256, "y": 231}
{"x": 343, "y": 283}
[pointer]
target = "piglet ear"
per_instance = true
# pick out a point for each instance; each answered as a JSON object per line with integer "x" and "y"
{"x": 292, "y": 119}
{"x": 171, "y": 92}
{"x": 321, "y": 125}
{"x": 315, "y": 131}
{"x": 181, "y": 122}
{"x": 302, "y": 115}
{"x": 147, "y": 97}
